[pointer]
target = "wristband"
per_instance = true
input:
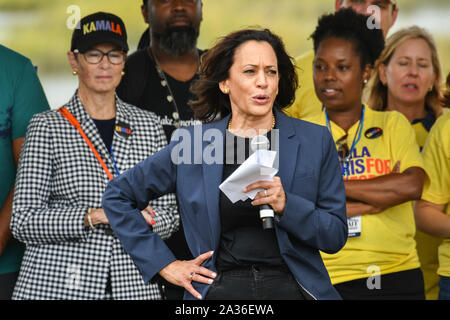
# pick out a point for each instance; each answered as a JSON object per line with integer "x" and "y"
{"x": 90, "y": 219}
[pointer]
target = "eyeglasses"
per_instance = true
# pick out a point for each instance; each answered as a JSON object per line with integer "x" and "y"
{"x": 95, "y": 56}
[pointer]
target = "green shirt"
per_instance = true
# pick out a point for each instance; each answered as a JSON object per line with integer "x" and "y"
{"x": 21, "y": 96}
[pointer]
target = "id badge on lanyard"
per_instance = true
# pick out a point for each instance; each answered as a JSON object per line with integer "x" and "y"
{"x": 354, "y": 226}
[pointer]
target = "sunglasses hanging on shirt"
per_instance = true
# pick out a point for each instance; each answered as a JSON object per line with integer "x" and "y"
{"x": 344, "y": 153}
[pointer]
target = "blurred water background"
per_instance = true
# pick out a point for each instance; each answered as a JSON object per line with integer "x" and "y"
{"x": 38, "y": 28}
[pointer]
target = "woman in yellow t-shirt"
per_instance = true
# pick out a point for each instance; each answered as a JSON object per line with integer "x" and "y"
{"x": 407, "y": 78}
{"x": 381, "y": 166}
{"x": 433, "y": 211}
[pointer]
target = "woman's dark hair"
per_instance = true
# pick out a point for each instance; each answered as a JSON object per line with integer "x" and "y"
{"x": 211, "y": 103}
{"x": 349, "y": 25}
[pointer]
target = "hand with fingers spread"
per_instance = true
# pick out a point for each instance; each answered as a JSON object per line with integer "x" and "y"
{"x": 273, "y": 194}
{"x": 183, "y": 272}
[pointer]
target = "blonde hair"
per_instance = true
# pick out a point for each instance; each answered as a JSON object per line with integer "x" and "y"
{"x": 379, "y": 92}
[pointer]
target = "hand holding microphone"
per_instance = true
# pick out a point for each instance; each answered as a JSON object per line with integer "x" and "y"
{"x": 266, "y": 214}
{"x": 276, "y": 197}
{"x": 272, "y": 198}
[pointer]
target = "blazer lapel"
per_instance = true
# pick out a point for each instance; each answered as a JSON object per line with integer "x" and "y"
{"x": 288, "y": 149}
{"x": 212, "y": 173}
{"x": 212, "y": 177}
{"x": 76, "y": 107}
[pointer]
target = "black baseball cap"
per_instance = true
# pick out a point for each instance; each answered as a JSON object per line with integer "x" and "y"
{"x": 99, "y": 27}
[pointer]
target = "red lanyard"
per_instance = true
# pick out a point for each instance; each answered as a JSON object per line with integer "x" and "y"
{"x": 66, "y": 113}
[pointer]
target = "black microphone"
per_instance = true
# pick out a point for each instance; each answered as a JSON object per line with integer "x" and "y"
{"x": 266, "y": 213}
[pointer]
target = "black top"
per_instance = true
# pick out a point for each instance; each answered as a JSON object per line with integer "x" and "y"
{"x": 243, "y": 241}
{"x": 144, "y": 41}
{"x": 141, "y": 86}
{"x": 106, "y": 130}
{"x": 429, "y": 119}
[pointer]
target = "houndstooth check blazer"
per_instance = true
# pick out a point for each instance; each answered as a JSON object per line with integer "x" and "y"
{"x": 58, "y": 179}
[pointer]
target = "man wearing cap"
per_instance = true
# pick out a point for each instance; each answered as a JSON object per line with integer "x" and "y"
{"x": 69, "y": 156}
{"x": 306, "y": 104}
{"x": 158, "y": 79}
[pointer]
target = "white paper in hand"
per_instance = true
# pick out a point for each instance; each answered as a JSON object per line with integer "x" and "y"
{"x": 259, "y": 166}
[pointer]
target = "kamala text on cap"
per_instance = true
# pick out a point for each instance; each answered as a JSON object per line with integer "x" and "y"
{"x": 101, "y": 25}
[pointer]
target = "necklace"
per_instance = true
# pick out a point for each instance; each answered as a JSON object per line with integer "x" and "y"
{"x": 273, "y": 122}
{"x": 165, "y": 83}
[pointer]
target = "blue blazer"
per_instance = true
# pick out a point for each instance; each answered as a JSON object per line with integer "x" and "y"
{"x": 314, "y": 217}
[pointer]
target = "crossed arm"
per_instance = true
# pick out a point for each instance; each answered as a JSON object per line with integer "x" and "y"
{"x": 375, "y": 195}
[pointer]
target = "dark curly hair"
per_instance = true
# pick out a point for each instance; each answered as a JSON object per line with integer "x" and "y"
{"x": 211, "y": 104}
{"x": 352, "y": 26}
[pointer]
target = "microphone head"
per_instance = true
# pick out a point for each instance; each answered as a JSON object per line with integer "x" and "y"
{"x": 259, "y": 143}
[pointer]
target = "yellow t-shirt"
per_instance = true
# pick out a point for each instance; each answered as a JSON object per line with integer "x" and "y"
{"x": 306, "y": 104}
{"x": 421, "y": 134}
{"x": 386, "y": 243}
{"x": 427, "y": 245}
{"x": 436, "y": 154}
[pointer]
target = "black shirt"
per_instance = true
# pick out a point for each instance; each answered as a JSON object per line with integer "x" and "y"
{"x": 243, "y": 241}
{"x": 106, "y": 130}
{"x": 144, "y": 41}
{"x": 429, "y": 119}
{"x": 141, "y": 86}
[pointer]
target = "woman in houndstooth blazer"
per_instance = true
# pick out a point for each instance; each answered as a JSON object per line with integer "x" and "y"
{"x": 71, "y": 251}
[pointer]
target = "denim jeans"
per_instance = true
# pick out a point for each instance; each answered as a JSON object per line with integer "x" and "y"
{"x": 256, "y": 283}
{"x": 444, "y": 288}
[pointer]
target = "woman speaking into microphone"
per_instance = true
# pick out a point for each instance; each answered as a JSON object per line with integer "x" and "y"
{"x": 245, "y": 81}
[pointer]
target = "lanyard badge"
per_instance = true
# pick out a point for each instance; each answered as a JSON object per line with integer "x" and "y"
{"x": 355, "y": 223}
{"x": 354, "y": 226}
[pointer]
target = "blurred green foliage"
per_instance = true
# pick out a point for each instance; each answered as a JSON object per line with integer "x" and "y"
{"x": 37, "y": 28}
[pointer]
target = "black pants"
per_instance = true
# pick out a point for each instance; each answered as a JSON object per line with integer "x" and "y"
{"x": 7, "y": 283}
{"x": 403, "y": 285}
{"x": 256, "y": 283}
{"x": 170, "y": 291}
